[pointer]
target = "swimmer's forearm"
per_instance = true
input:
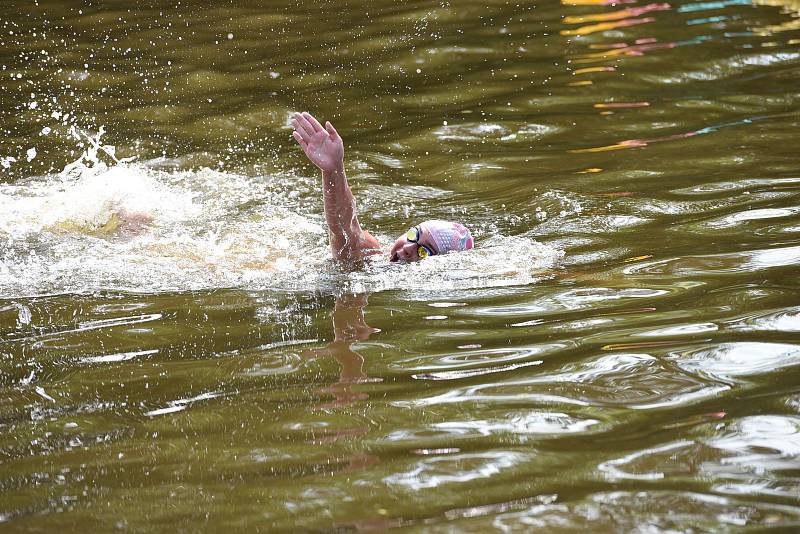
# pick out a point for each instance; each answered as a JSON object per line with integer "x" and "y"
{"x": 340, "y": 214}
{"x": 338, "y": 199}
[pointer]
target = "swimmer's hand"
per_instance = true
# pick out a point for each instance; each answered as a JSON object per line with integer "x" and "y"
{"x": 322, "y": 146}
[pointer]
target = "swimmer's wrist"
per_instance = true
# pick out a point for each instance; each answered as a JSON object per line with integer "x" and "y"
{"x": 336, "y": 172}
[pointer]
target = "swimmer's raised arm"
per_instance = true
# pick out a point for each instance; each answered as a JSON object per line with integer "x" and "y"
{"x": 324, "y": 147}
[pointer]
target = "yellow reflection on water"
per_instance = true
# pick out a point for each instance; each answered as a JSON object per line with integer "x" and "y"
{"x": 631, "y": 143}
{"x": 621, "y": 105}
{"x": 587, "y": 70}
{"x": 605, "y": 26}
{"x": 791, "y": 7}
{"x": 615, "y": 15}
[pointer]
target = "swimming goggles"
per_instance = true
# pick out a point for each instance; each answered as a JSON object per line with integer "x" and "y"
{"x": 412, "y": 236}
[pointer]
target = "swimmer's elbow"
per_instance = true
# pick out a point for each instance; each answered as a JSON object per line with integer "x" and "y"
{"x": 350, "y": 251}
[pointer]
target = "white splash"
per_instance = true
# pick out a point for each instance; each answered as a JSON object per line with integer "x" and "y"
{"x": 130, "y": 226}
{"x": 495, "y": 262}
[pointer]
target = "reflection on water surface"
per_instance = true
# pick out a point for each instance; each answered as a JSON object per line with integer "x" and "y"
{"x": 621, "y": 348}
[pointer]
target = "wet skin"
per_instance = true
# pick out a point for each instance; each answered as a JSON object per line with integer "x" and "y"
{"x": 349, "y": 242}
{"x": 407, "y": 251}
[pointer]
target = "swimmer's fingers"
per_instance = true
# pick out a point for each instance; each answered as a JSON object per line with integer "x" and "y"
{"x": 332, "y": 131}
{"x": 302, "y": 125}
{"x": 299, "y": 132}
{"x": 314, "y": 122}
{"x": 299, "y": 138}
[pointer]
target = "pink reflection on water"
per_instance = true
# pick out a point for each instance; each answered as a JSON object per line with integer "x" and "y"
{"x": 634, "y": 143}
{"x": 596, "y": 2}
{"x": 604, "y": 52}
{"x": 627, "y": 50}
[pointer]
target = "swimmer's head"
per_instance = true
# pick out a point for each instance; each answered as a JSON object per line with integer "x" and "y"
{"x": 431, "y": 238}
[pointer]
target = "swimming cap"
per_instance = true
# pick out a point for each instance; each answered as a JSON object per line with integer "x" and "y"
{"x": 448, "y": 236}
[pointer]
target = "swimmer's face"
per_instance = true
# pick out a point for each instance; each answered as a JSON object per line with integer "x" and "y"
{"x": 407, "y": 251}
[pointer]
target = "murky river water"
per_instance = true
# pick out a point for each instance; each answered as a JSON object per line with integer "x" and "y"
{"x": 621, "y": 352}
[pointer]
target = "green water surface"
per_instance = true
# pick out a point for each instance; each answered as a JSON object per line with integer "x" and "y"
{"x": 645, "y": 380}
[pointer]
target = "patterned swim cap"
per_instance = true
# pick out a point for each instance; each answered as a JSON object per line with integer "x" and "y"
{"x": 448, "y": 236}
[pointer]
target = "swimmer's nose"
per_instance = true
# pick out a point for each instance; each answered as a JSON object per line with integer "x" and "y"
{"x": 409, "y": 252}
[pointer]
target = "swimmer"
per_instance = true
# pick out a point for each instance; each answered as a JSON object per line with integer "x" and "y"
{"x": 130, "y": 222}
{"x": 349, "y": 242}
{"x": 114, "y": 219}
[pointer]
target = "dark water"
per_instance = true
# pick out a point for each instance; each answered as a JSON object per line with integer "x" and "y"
{"x": 620, "y": 353}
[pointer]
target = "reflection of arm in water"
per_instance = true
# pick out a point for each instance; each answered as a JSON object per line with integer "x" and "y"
{"x": 349, "y": 326}
{"x": 324, "y": 147}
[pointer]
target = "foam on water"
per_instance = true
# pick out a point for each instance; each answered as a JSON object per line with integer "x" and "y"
{"x": 496, "y": 261}
{"x": 132, "y": 227}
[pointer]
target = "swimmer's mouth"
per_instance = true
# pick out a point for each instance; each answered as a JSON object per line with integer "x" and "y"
{"x": 394, "y": 257}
